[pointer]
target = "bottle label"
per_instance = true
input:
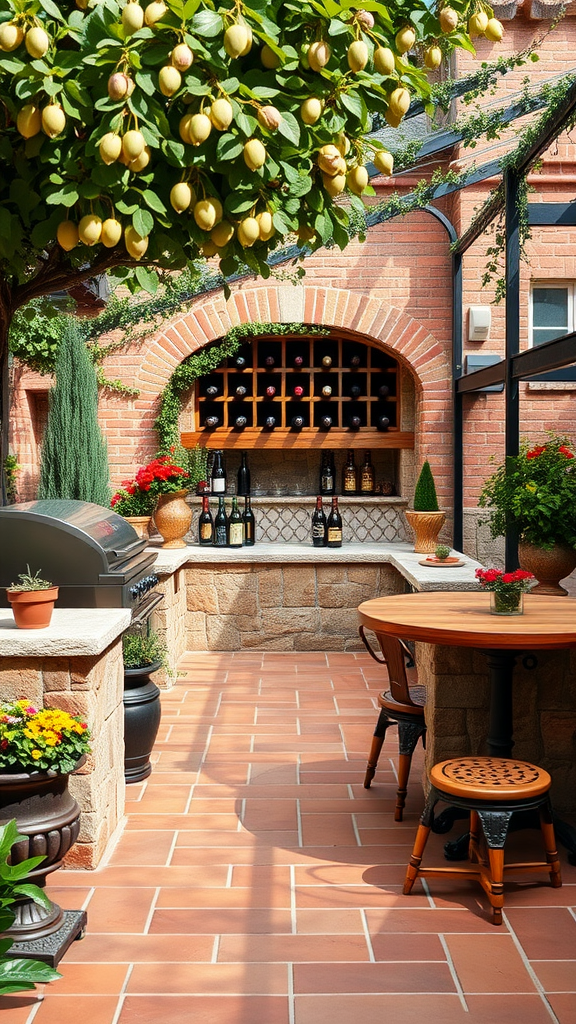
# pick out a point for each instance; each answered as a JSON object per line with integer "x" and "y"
{"x": 327, "y": 481}
{"x": 318, "y": 530}
{"x": 334, "y": 534}
{"x": 350, "y": 483}
{"x": 236, "y": 534}
{"x": 367, "y": 481}
{"x": 218, "y": 485}
{"x": 206, "y": 531}
{"x": 220, "y": 539}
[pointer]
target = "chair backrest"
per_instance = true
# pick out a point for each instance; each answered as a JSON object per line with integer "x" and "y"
{"x": 394, "y": 653}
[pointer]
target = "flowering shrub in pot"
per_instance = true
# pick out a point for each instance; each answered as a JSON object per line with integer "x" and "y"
{"x": 506, "y": 589}
{"x": 40, "y": 740}
{"x": 168, "y": 482}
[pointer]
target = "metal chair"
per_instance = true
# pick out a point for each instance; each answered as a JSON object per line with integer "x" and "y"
{"x": 401, "y": 705}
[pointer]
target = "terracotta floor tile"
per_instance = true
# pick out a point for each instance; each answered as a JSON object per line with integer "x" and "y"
{"x": 556, "y": 976}
{"x": 326, "y": 922}
{"x": 113, "y": 949}
{"x": 377, "y": 978}
{"x": 510, "y": 1009}
{"x": 294, "y": 948}
{"x": 337, "y": 830}
{"x": 375, "y": 1009}
{"x": 74, "y": 1008}
{"x": 129, "y": 875}
{"x": 488, "y": 963}
{"x": 564, "y": 1007}
{"x": 396, "y": 948}
{"x": 209, "y": 979}
{"x": 416, "y": 920}
{"x": 365, "y": 897}
{"x": 182, "y": 822}
{"x": 236, "y": 897}
{"x": 90, "y": 979}
{"x": 165, "y": 799}
{"x": 143, "y": 848}
{"x": 544, "y": 932}
{"x": 16, "y": 1009}
{"x": 278, "y": 814}
{"x": 216, "y": 921}
{"x": 119, "y": 910}
{"x": 215, "y": 1009}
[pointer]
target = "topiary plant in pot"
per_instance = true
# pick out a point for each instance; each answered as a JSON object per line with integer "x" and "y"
{"x": 425, "y": 518}
{"x": 143, "y": 653}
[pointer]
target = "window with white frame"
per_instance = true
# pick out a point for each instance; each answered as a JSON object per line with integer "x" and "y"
{"x": 552, "y": 314}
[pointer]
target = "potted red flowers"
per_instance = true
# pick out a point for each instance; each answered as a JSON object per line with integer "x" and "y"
{"x": 506, "y": 589}
{"x": 168, "y": 482}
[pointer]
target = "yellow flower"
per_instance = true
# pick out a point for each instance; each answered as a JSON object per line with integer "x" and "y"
{"x": 36, "y": 754}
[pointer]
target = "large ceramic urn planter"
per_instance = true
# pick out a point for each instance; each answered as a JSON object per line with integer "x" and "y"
{"x": 48, "y": 815}
{"x": 141, "y": 524}
{"x": 426, "y": 526}
{"x": 142, "y": 714}
{"x": 173, "y": 517}
{"x": 548, "y": 566}
{"x": 32, "y": 609}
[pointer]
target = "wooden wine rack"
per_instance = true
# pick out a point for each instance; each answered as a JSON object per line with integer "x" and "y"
{"x": 376, "y": 369}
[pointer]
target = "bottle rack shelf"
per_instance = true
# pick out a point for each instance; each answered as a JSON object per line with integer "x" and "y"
{"x": 364, "y": 383}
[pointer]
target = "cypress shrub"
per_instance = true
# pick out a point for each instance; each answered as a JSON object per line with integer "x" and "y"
{"x": 425, "y": 498}
{"x": 74, "y": 460}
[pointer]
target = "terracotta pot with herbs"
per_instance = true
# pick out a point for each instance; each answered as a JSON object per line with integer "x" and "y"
{"x": 32, "y": 600}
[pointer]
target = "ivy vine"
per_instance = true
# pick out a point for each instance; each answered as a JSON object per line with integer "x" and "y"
{"x": 201, "y": 363}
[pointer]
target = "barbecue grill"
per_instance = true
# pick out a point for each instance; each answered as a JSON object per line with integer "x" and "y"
{"x": 92, "y": 554}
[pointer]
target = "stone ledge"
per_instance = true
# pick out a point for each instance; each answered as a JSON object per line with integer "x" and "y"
{"x": 72, "y": 632}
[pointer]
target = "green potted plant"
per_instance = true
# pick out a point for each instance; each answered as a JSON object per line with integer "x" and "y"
{"x": 32, "y": 600}
{"x": 144, "y": 653}
{"x": 534, "y": 493}
{"x": 425, "y": 518}
{"x": 135, "y": 506}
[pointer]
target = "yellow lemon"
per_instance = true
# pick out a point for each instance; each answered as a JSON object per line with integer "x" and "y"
{"x": 405, "y": 39}
{"x": 199, "y": 129}
{"x": 494, "y": 30}
{"x": 269, "y": 59}
{"x": 433, "y": 57}
{"x": 311, "y": 110}
{"x": 29, "y": 121}
{"x": 133, "y": 144}
{"x": 110, "y": 147}
{"x": 90, "y": 229}
{"x": 318, "y": 55}
{"x": 384, "y": 161}
{"x": 254, "y": 154}
{"x": 236, "y": 40}
{"x": 67, "y": 235}
{"x": 142, "y": 161}
{"x": 399, "y": 101}
{"x": 357, "y": 180}
{"x": 207, "y": 213}
{"x": 135, "y": 244}
{"x": 181, "y": 196}
{"x": 169, "y": 80}
{"x": 111, "y": 232}
{"x": 448, "y": 19}
{"x": 357, "y": 56}
{"x": 248, "y": 232}
{"x": 477, "y": 24}
{"x": 334, "y": 184}
{"x": 11, "y": 36}
{"x": 182, "y": 57}
{"x": 222, "y": 233}
{"x": 221, "y": 114}
{"x": 37, "y": 42}
{"x": 154, "y": 12}
{"x": 266, "y": 227}
{"x": 53, "y": 120}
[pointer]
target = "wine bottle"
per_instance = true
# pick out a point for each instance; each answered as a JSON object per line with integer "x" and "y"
{"x": 355, "y": 361}
{"x": 297, "y": 422}
{"x": 319, "y": 531}
{"x": 249, "y": 524}
{"x": 326, "y": 391}
{"x": 326, "y": 422}
{"x": 240, "y": 391}
{"x": 235, "y": 526}
{"x": 298, "y": 391}
{"x": 270, "y": 422}
{"x": 355, "y": 391}
{"x": 383, "y": 390}
{"x": 211, "y": 391}
{"x": 355, "y": 422}
{"x": 383, "y": 423}
{"x": 334, "y": 526}
{"x": 244, "y": 476}
{"x": 221, "y": 525}
{"x": 240, "y": 362}
{"x": 327, "y": 474}
{"x": 211, "y": 422}
{"x": 270, "y": 391}
{"x": 367, "y": 477}
{"x": 205, "y": 523}
{"x": 349, "y": 475}
{"x": 218, "y": 478}
{"x": 240, "y": 422}
{"x": 269, "y": 362}
{"x": 298, "y": 362}
{"x": 327, "y": 362}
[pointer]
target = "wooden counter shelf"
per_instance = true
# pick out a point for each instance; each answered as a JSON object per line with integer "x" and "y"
{"x": 306, "y": 438}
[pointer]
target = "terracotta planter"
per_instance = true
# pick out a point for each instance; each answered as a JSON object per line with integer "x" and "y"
{"x": 32, "y": 609}
{"x": 426, "y": 526}
{"x": 142, "y": 714}
{"x": 48, "y": 815}
{"x": 549, "y": 567}
{"x": 141, "y": 524}
{"x": 172, "y": 518}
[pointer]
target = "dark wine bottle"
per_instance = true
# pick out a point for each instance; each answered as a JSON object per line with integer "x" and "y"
{"x": 334, "y": 526}
{"x": 355, "y": 391}
{"x": 298, "y": 362}
{"x": 240, "y": 362}
{"x": 240, "y": 391}
{"x": 367, "y": 476}
{"x": 326, "y": 362}
{"x": 221, "y": 525}
{"x": 269, "y": 362}
{"x": 211, "y": 422}
{"x": 383, "y": 423}
{"x": 244, "y": 476}
{"x": 319, "y": 531}
{"x": 211, "y": 391}
{"x": 240, "y": 422}
{"x": 270, "y": 391}
{"x": 349, "y": 475}
{"x": 235, "y": 528}
{"x": 327, "y": 474}
{"x": 205, "y": 523}
{"x": 270, "y": 422}
{"x": 326, "y": 422}
{"x": 249, "y": 524}
{"x": 355, "y": 361}
{"x": 298, "y": 391}
{"x": 218, "y": 478}
{"x": 383, "y": 390}
{"x": 297, "y": 422}
{"x": 355, "y": 422}
{"x": 326, "y": 391}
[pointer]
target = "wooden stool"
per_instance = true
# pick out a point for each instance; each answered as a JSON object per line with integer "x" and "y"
{"x": 491, "y": 788}
{"x": 401, "y": 705}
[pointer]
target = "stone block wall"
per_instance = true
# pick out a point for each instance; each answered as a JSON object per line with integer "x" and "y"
{"x": 169, "y": 621}
{"x": 284, "y": 607}
{"x": 91, "y": 687}
{"x": 457, "y": 709}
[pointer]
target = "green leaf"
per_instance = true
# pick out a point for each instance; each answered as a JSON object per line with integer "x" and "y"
{"x": 229, "y": 147}
{"x": 289, "y": 128}
{"x": 66, "y": 196}
{"x": 353, "y": 103}
{"x": 51, "y": 9}
{"x": 147, "y": 279}
{"x": 21, "y": 975}
{"x": 207, "y": 23}
{"x": 153, "y": 201}
{"x": 143, "y": 222}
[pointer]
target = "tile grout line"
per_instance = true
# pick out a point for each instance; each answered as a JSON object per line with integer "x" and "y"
{"x": 215, "y": 949}
{"x": 291, "y": 1006}
{"x": 241, "y": 815}
{"x": 428, "y": 894}
{"x": 122, "y": 995}
{"x": 172, "y": 848}
{"x": 299, "y": 824}
{"x": 356, "y": 829}
{"x": 229, "y": 874}
{"x": 293, "y": 918}
{"x": 529, "y": 969}
{"x": 367, "y": 936}
{"x": 453, "y": 972}
{"x": 151, "y": 912}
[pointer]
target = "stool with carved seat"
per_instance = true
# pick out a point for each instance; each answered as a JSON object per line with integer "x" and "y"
{"x": 491, "y": 789}
{"x": 401, "y": 705}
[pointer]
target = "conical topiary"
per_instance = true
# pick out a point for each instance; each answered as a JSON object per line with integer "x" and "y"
{"x": 425, "y": 498}
{"x": 74, "y": 456}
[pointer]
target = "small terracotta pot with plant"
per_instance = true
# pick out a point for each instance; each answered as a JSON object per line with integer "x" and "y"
{"x": 32, "y": 600}
{"x": 425, "y": 518}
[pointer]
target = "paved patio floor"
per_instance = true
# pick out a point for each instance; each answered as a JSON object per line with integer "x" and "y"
{"x": 257, "y": 882}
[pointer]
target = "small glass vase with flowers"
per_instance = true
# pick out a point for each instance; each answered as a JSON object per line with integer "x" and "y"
{"x": 507, "y": 589}
{"x": 168, "y": 482}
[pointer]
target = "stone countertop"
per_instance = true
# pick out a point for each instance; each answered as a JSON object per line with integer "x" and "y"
{"x": 401, "y": 555}
{"x": 72, "y": 632}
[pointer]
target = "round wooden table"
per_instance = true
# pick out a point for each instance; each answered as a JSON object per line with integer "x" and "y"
{"x": 463, "y": 619}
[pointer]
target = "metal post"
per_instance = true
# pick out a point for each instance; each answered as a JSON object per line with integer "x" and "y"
{"x": 457, "y": 403}
{"x": 511, "y": 391}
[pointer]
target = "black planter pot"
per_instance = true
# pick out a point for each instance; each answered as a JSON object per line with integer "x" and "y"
{"x": 141, "y": 720}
